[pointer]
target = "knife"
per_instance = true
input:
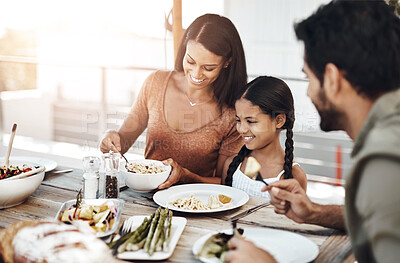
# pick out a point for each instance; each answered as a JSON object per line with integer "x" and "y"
{"x": 249, "y": 211}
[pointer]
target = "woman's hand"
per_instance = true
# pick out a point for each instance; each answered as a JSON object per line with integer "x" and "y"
{"x": 177, "y": 174}
{"x": 241, "y": 250}
{"x": 111, "y": 142}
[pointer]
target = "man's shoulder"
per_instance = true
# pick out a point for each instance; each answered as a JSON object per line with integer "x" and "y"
{"x": 384, "y": 137}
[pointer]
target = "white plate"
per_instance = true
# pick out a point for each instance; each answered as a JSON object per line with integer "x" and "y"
{"x": 177, "y": 226}
{"x": 202, "y": 192}
{"x": 49, "y": 164}
{"x": 284, "y": 246}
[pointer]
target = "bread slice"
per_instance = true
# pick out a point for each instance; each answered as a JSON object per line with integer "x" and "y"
{"x": 252, "y": 167}
{"x": 7, "y": 236}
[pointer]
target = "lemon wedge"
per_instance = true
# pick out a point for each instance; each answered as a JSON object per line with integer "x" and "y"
{"x": 224, "y": 199}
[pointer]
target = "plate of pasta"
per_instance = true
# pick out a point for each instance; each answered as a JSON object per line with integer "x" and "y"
{"x": 201, "y": 198}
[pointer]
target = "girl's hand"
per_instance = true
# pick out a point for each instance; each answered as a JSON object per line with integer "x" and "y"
{"x": 177, "y": 174}
{"x": 111, "y": 142}
{"x": 241, "y": 250}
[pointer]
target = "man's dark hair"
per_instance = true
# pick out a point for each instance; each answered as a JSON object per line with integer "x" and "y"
{"x": 362, "y": 38}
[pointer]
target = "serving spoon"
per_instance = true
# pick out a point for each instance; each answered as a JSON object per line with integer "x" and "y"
{"x": 14, "y": 128}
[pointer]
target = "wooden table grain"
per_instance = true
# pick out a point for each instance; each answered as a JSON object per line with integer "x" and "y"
{"x": 44, "y": 203}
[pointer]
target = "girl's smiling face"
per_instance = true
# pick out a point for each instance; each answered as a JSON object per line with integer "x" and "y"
{"x": 201, "y": 66}
{"x": 257, "y": 128}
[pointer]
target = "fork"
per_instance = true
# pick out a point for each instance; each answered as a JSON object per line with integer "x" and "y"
{"x": 259, "y": 178}
{"x": 235, "y": 218}
{"x": 233, "y": 223}
{"x": 124, "y": 230}
{"x": 126, "y": 227}
{"x": 126, "y": 161}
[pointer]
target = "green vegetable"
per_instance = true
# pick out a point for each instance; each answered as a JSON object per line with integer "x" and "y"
{"x": 137, "y": 235}
{"x": 168, "y": 230}
{"x": 157, "y": 233}
{"x": 137, "y": 246}
{"x": 78, "y": 202}
{"x": 118, "y": 243}
{"x": 152, "y": 230}
{"x": 160, "y": 242}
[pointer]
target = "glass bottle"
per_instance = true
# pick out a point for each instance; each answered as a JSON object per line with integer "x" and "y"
{"x": 91, "y": 177}
{"x": 111, "y": 171}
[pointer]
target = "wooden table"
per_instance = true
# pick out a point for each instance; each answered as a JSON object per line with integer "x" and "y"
{"x": 57, "y": 188}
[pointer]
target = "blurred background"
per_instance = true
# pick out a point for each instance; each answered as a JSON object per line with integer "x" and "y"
{"x": 69, "y": 70}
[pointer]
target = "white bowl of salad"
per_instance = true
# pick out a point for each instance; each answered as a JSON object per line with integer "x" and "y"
{"x": 14, "y": 186}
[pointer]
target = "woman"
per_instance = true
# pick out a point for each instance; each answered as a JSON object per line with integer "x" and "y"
{"x": 189, "y": 112}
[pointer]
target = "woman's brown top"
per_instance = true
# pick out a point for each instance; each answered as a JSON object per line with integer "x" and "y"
{"x": 196, "y": 150}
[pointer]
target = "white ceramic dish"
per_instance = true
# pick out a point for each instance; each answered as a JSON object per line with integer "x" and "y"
{"x": 177, "y": 226}
{"x": 145, "y": 182}
{"x": 202, "y": 192}
{"x": 117, "y": 203}
{"x": 49, "y": 164}
{"x": 14, "y": 191}
{"x": 284, "y": 246}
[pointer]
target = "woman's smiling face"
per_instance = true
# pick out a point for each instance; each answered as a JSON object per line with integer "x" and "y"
{"x": 201, "y": 66}
{"x": 257, "y": 128}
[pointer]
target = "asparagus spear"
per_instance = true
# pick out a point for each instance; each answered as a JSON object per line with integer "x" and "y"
{"x": 160, "y": 242}
{"x": 137, "y": 246}
{"x": 159, "y": 229}
{"x": 141, "y": 231}
{"x": 152, "y": 230}
{"x": 168, "y": 231}
{"x": 125, "y": 237}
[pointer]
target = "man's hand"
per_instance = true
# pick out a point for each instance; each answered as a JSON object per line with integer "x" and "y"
{"x": 289, "y": 199}
{"x": 241, "y": 250}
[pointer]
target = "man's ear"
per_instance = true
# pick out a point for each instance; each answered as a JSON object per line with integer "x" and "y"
{"x": 280, "y": 120}
{"x": 332, "y": 77}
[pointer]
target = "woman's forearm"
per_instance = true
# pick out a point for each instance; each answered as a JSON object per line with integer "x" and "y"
{"x": 191, "y": 177}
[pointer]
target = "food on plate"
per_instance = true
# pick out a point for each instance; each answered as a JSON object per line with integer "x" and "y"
{"x": 141, "y": 168}
{"x": 152, "y": 235}
{"x": 100, "y": 218}
{"x": 217, "y": 245}
{"x": 213, "y": 202}
{"x": 252, "y": 167}
{"x": 10, "y": 171}
{"x": 224, "y": 199}
{"x": 35, "y": 241}
{"x": 193, "y": 203}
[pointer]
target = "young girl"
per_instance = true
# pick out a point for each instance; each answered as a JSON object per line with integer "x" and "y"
{"x": 264, "y": 108}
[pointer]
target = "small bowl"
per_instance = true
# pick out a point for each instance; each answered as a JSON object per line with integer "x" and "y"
{"x": 116, "y": 204}
{"x": 146, "y": 182}
{"x": 14, "y": 191}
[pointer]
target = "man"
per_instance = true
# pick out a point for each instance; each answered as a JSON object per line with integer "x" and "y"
{"x": 352, "y": 61}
